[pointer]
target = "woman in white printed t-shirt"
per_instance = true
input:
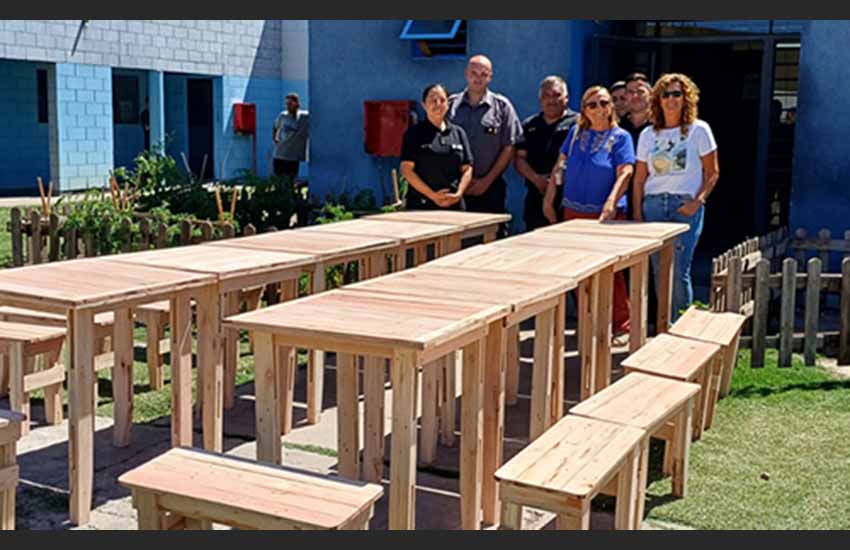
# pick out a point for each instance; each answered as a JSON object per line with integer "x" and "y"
{"x": 676, "y": 170}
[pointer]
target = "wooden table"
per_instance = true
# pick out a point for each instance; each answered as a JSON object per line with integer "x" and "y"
{"x": 412, "y": 332}
{"x": 473, "y": 224}
{"x": 233, "y": 272}
{"x": 538, "y": 296}
{"x": 594, "y": 273}
{"x": 418, "y": 236}
{"x": 81, "y": 288}
{"x": 329, "y": 249}
{"x": 10, "y": 432}
{"x": 666, "y": 232}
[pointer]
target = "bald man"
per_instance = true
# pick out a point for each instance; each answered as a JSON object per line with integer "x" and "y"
{"x": 493, "y": 128}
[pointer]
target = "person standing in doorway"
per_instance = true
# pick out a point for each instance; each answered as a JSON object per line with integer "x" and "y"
{"x": 492, "y": 126}
{"x": 291, "y": 130}
{"x": 145, "y": 121}
{"x": 538, "y": 149}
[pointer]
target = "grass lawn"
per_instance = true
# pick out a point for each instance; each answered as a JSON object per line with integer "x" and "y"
{"x": 776, "y": 457}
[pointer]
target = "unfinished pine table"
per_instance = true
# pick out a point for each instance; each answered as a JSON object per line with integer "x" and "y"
{"x": 410, "y": 331}
{"x": 329, "y": 249}
{"x": 233, "y": 272}
{"x": 537, "y": 296}
{"x": 79, "y": 289}
{"x": 594, "y": 273}
{"x": 411, "y": 235}
{"x": 666, "y": 232}
{"x": 473, "y": 224}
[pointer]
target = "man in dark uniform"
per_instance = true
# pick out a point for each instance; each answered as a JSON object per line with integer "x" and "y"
{"x": 537, "y": 150}
{"x": 639, "y": 94}
{"x": 491, "y": 123}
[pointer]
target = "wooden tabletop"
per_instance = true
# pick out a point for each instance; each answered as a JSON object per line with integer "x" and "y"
{"x": 624, "y": 247}
{"x": 28, "y": 333}
{"x": 571, "y": 264}
{"x": 253, "y": 489}
{"x": 639, "y": 400}
{"x": 718, "y": 328}
{"x": 326, "y": 247}
{"x": 466, "y": 220}
{"x": 371, "y": 318}
{"x": 224, "y": 264}
{"x": 575, "y": 457}
{"x": 672, "y": 357}
{"x": 515, "y": 289}
{"x": 647, "y": 230}
{"x": 406, "y": 232}
{"x": 91, "y": 282}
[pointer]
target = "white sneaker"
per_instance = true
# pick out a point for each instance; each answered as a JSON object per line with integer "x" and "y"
{"x": 620, "y": 340}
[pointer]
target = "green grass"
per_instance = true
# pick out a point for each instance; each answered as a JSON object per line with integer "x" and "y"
{"x": 776, "y": 457}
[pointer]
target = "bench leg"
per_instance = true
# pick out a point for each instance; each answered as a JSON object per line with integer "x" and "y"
{"x": 8, "y": 459}
{"x": 348, "y": 415}
{"x": 541, "y": 378}
{"x": 681, "y": 445}
{"x": 511, "y": 516}
{"x": 471, "y": 434}
{"x": 148, "y": 511}
{"x": 512, "y": 374}
{"x": 730, "y": 359}
{"x": 153, "y": 334}
{"x": 193, "y": 524}
{"x": 53, "y": 392}
{"x": 643, "y": 480}
{"x": 18, "y": 399}
{"x": 715, "y": 380}
{"x": 402, "y": 505}
{"x": 252, "y": 303}
{"x": 429, "y": 427}
{"x": 448, "y": 408}
{"x": 627, "y": 493}
{"x": 4, "y": 374}
{"x": 286, "y": 379}
{"x": 702, "y": 401}
{"x": 580, "y": 521}
{"x": 374, "y": 377}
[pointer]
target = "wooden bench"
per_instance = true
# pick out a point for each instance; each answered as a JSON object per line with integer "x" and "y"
{"x": 663, "y": 408}
{"x": 190, "y": 489}
{"x": 681, "y": 359}
{"x": 565, "y": 468}
{"x": 723, "y": 329}
{"x": 10, "y": 431}
{"x": 20, "y": 345}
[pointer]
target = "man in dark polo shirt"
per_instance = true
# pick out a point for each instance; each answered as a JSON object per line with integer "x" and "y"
{"x": 537, "y": 150}
{"x": 491, "y": 123}
{"x": 639, "y": 94}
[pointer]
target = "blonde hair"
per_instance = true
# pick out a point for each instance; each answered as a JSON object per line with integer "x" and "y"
{"x": 583, "y": 121}
{"x": 689, "y": 107}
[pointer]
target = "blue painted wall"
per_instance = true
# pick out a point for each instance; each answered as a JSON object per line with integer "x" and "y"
{"x": 820, "y": 194}
{"x": 375, "y": 64}
{"x": 24, "y": 142}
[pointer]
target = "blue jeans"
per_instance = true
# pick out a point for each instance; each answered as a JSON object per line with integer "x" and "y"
{"x": 663, "y": 208}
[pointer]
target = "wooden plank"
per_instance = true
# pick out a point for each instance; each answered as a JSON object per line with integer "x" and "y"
{"x": 53, "y": 232}
{"x": 374, "y": 377}
{"x": 316, "y": 359}
{"x": 81, "y": 381}
{"x": 267, "y": 400}
{"x": 429, "y": 428}
{"x": 760, "y": 315}
{"x": 181, "y": 370}
{"x": 734, "y": 286}
{"x": 588, "y": 305}
{"x": 17, "y": 237}
{"x": 210, "y": 363}
{"x": 786, "y": 320}
{"x": 638, "y": 299}
{"x": 494, "y": 420}
{"x": 231, "y": 349}
{"x": 665, "y": 287}
{"x": 602, "y": 327}
{"x": 35, "y": 238}
{"x": 512, "y": 365}
{"x": 681, "y": 448}
{"x": 472, "y": 430}
{"x": 558, "y": 368}
{"x": 824, "y": 239}
{"x": 541, "y": 378}
{"x": 402, "y": 505}
{"x": 844, "y": 342}
{"x": 348, "y": 416}
{"x": 70, "y": 234}
{"x": 122, "y": 377}
{"x": 627, "y": 491}
{"x": 812, "y": 310}
{"x": 19, "y": 401}
{"x": 286, "y": 378}
{"x": 449, "y": 404}
{"x": 185, "y": 232}
{"x": 43, "y": 378}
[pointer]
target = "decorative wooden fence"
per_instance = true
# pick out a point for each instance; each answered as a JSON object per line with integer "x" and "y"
{"x": 763, "y": 276}
{"x": 37, "y": 238}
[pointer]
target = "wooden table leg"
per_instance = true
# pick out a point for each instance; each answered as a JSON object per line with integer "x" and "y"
{"x": 122, "y": 377}
{"x": 448, "y": 379}
{"x": 80, "y": 414}
{"x": 231, "y": 349}
{"x": 153, "y": 334}
{"x": 494, "y": 420}
{"x": 181, "y": 370}
{"x": 603, "y": 329}
{"x": 541, "y": 378}
{"x": 267, "y": 401}
{"x": 511, "y": 516}
{"x": 681, "y": 445}
{"x": 429, "y": 428}
{"x": 210, "y": 364}
{"x": 638, "y": 281}
{"x": 490, "y": 234}
{"x": 53, "y": 392}
{"x": 316, "y": 361}
{"x": 665, "y": 287}
{"x": 18, "y": 398}
{"x": 471, "y": 434}
{"x": 286, "y": 378}
{"x": 588, "y": 307}
{"x": 512, "y": 366}
{"x": 558, "y": 367}
{"x": 374, "y": 379}
{"x": 403, "y": 377}
{"x": 348, "y": 415}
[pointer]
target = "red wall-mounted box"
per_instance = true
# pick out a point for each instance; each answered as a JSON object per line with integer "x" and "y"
{"x": 244, "y": 118}
{"x": 384, "y": 124}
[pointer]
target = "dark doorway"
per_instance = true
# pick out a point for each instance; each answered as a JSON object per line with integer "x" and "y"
{"x": 200, "y": 122}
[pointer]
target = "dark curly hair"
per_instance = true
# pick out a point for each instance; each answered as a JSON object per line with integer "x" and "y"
{"x": 689, "y": 108}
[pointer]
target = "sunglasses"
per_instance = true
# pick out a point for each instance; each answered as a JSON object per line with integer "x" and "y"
{"x": 593, "y": 104}
{"x": 674, "y": 93}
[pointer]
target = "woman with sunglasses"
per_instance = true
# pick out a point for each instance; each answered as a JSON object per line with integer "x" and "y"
{"x": 595, "y": 165}
{"x": 676, "y": 170}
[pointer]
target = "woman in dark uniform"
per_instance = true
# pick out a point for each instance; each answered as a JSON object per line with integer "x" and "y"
{"x": 436, "y": 159}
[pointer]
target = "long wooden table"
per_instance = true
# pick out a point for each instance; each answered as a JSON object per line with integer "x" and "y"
{"x": 79, "y": 289}
{"x": 666, "y": 232}
{"x": 472, "y": 224}
{"x": 594, "y": 273}
{"x": 538, "y": 296}
{"x": 412, "y": 332}
{"x": 328, "y": 249}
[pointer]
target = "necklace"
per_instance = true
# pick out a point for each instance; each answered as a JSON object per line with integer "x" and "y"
{"x": 606, "y": 139}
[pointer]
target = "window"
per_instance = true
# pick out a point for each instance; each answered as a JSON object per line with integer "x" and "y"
{"x": 441, "y": 39}
{"x": 125, "y": 99}
{"x": 41, "y": 78}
